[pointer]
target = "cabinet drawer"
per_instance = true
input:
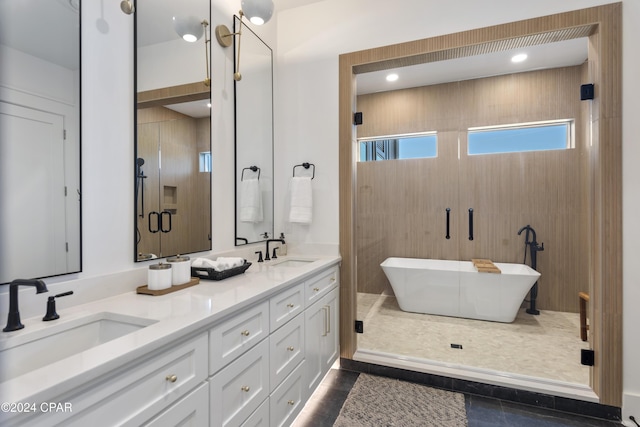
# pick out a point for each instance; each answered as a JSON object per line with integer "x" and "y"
{"x": 285, "y": 306}
{"x": 286, "y": 350}
{"x": 236, "y": 335}
{"x": 191, "y": 411}
{"x": 240, "y": 388}
{"x": 319, "y": 285}
{"x": 260, "y": 418}
{"x": 287, "y": 400}
{"x": 137, "y": 394}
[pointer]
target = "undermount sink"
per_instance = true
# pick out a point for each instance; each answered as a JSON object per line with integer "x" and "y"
{"x": 292, "y": 263}
{"x": 33, "y": 350}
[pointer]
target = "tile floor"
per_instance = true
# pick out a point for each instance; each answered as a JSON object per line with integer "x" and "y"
{"x": 324, "y": 406}
{"x": 546, "y": 346}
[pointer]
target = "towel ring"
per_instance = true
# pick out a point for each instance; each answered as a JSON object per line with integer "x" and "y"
{"x": 306, "y": 166}
{"x": 253, "y": 168}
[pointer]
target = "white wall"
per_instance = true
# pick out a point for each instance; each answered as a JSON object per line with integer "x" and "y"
{"x": 310, "y": 39}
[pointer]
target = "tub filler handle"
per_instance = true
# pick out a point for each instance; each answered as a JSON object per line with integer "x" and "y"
{"x": 470, "y": 223}
{"x": 448, "y": 236}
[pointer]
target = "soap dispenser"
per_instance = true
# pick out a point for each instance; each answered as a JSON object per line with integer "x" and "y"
{"x": 283, "y": 246}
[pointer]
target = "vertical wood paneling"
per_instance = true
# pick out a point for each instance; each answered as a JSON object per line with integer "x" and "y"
{"x": 401, "y": 204}
{"x": 179, "y": 187}
{"x": 603, "y": 174}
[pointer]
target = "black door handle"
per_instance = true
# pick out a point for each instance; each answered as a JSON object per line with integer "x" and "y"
{"x": 448, "y": 236}
{"x": 470, "y": 223}
{"x": 163, "y": 222}
{"x": 156, "y": 222}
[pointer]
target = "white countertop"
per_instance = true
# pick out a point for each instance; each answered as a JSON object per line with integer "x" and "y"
{"x": 178, "y": 314}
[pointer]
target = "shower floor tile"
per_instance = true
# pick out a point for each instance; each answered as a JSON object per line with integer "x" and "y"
{"x": 545, "y": 346}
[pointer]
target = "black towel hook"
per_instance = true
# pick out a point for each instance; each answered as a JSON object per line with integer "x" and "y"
{"x": 253, "y": 168}
{"x": 305, "y": 165}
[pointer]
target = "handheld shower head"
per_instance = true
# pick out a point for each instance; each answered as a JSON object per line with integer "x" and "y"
{"x": 139, "y": 161}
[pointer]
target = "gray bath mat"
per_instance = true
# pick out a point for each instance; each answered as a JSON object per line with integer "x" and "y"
{"x": 384, "y": 402}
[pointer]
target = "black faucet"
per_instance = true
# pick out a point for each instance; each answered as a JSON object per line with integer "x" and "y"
{"x": 534, "y": 248}
{"x": 267, "y": 258}
{"x": 13, "y": 320}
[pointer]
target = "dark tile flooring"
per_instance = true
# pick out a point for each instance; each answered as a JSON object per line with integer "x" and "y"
{"x": 324, "y": 406}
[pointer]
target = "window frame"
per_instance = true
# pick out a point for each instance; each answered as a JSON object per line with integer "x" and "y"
{"x": 570, "y": 139}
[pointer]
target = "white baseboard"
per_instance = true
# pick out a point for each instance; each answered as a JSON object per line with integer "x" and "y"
{"x": 630, "y": 407}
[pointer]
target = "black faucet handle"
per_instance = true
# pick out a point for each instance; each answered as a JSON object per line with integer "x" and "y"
{"x": 51, "y": 307}
{"x": 259, "y": 256}
{"x": 274, "y": 256}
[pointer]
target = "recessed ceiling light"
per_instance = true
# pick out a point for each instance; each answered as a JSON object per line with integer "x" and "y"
{"x": 392, "y": 77}
{"x": 519, "y": 57}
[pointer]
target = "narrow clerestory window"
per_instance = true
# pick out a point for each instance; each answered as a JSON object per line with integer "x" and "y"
{"x": 414, "y": 146}
{"x": 522, "y": 137}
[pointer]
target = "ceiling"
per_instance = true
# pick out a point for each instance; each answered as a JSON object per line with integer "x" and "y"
{"x": 545, "y": 56}
{"x": 60, "y": 18}
{"x": 23, "y": 22}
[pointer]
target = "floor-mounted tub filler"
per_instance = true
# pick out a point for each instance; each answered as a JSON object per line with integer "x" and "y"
{"x": 456, "y": 288}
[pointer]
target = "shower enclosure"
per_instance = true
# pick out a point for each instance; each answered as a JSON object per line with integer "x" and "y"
{"x": 561, "y": 192}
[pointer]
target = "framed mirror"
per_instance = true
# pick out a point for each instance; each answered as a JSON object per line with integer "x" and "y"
{"x": 254, "y": 139}
{"x": 40, "y": 231}
{"x": 172, "y": 163}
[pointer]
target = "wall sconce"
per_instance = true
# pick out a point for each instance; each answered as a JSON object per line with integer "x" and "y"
{"x": 191, "y": 29}
{"x": 127, "y": 7}
{"x": 258, "y": 12}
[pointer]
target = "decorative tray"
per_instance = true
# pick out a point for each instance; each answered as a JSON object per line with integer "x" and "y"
{"x": 211, "y": 274}
{"x": 146, "y": 291}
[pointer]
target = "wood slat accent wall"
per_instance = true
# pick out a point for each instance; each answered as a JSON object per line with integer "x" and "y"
{"x": 179, "y": 188}
{"x": 604, "y": 174}
{"x": 401, "y": 207}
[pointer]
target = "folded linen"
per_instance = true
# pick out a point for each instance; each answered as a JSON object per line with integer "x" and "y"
{"x": 250, "y": 201}
{"x": 220, "y": 264}
{"x": 301, "y": 210}
{"x": 225, "y": 263}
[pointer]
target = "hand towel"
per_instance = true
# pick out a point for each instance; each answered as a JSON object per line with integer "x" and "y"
{"x": 250, "y": 200}
{"x": 301, "y": 200}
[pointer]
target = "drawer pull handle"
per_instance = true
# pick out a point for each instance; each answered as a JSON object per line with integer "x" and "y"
{"x": 290, "y": 348}
{"x": 333, "y": 279}
{"x": 291, "y": 402}
{"x": 172, "y": 378}
{"x": 245, "y": 388}
{"x": 290, "y": 305}
{"x": 316, "y": 289}
{"x": 245, "y": 333}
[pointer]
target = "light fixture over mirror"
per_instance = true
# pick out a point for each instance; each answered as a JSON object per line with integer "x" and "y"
{"x": 189, "y": 28}
{"x": 258, "y": 12}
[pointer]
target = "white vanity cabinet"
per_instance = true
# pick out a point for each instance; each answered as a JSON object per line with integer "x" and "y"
{"x": 267, "y": 382}
{"x": 321, "y": 338}
{"x": 256, "y": 366}
{"x": 134, "y": 395}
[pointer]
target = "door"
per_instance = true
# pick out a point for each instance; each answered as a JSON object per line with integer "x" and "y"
{"x": 36, "y": 216}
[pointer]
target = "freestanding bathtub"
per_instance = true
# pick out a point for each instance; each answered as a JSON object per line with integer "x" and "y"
{"x": 455, "y": 288}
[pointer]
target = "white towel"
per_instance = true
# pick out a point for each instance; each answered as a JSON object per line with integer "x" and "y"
{"x": 220, "y": 264}
{"x": 301, "y": 200}
{"x": 225, "y": 263}
{"x": 250, "y": 200}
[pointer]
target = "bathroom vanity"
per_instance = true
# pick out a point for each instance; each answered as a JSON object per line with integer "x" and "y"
{"x": 249, "y": 350}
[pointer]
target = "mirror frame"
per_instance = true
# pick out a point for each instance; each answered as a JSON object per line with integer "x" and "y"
{"x": 182, "y": 93}
{"x": 265, "y": 173}
{"x": 70, "y": 192}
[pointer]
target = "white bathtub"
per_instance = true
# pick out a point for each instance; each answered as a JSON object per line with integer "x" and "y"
{"x": 455, "y": 288}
